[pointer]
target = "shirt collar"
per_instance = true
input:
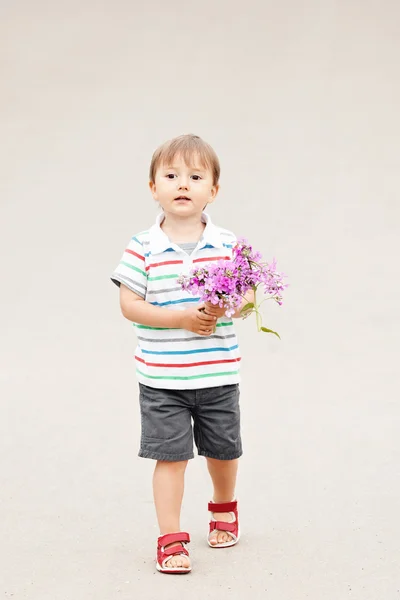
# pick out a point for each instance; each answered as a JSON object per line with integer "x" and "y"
{"x": 160, "y": 242}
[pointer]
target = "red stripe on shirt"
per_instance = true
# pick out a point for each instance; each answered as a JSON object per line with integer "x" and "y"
{"x": 196, "y": 260}
{"x": 161, "y": 264}
{"x": 134, "y": 253}
{"x": 196, "y": 364}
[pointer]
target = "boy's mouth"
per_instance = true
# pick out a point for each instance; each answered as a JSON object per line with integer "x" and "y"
{"x": 182, "y": 198}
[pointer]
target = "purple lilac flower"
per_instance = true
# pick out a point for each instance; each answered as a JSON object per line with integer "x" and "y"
{"x": 225, "y": 282}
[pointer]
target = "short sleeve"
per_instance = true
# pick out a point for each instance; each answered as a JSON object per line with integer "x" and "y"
{"x": 131, "y": 270}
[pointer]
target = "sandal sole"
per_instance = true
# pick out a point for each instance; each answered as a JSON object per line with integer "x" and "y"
{"x": 172, "y": 571}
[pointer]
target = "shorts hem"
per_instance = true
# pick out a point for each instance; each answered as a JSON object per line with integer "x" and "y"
{"x": 166, "y": 457}
{"x": 220, "y": 456}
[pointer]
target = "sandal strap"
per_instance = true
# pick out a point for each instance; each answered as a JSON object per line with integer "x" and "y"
{"x": 175, "y": 550}
{"x": 222, "y": 506}
{"x": 170, "y": 538}
{"x": 222, "y": 526}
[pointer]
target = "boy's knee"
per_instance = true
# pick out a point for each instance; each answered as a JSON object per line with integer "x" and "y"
{"x": 222, "y": 461}
{"x": 177, "y": 466}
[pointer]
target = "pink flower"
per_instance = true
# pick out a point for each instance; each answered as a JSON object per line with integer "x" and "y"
{"x": 226, "y": 282}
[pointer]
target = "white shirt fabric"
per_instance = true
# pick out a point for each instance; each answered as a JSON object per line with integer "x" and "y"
{"x": 177, "y": 358}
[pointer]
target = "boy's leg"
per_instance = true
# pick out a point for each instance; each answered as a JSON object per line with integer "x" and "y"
{"x": 168, "y": 486}
{"x": 217, "y": 436}
{"x": 223, "y": 474}
{"x": 167, "y": 437}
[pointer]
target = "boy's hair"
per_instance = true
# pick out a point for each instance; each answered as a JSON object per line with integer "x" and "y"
{"x": 186, "y": 146}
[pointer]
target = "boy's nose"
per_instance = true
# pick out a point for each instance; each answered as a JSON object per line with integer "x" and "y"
{"x": 183, "y": 185}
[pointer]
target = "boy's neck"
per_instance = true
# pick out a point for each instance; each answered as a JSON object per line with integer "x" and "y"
{"x": 183, "y": 230}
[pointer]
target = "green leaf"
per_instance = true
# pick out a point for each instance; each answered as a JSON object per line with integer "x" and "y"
{"x": 247, "y": 307}
{"x": 270, "y": 331}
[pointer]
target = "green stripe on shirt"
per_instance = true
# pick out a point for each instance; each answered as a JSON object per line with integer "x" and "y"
{"x": 181, "y": 378}
{"x": 133, "y": 268}
{"x": 159, "y": 277}
{"x": 173, "y": 328}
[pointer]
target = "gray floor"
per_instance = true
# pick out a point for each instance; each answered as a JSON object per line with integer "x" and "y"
{"x": 300, "y": 100}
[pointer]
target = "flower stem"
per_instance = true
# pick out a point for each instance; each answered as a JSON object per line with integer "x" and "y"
{"x": 258, "y": 316}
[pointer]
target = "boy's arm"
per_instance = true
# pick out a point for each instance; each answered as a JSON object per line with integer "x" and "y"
{"x": 136, "y": 309}
{"x": 248, "y": 297}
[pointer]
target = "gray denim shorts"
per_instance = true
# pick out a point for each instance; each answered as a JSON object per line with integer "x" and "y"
{"x": 171, "y": 418}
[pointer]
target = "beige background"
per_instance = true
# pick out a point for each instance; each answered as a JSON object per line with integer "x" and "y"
{"x": 300, "y": 98}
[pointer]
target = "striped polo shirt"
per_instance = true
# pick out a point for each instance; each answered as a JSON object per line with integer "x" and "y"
{"x": 177, "y": 358}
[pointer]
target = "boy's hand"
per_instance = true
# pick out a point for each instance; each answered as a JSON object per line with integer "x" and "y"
{"x": 214, "y": 310}
{"x": 193, "y": 319}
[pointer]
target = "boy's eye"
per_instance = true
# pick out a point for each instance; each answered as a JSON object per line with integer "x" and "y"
{"x": 170, "y": 175}
{"x": 196, "y": 177}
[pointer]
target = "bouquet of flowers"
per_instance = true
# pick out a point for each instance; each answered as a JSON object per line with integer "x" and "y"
{"x": 226, "y": 282}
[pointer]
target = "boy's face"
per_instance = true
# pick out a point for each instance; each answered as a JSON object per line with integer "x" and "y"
{"x": 183, "y": 190}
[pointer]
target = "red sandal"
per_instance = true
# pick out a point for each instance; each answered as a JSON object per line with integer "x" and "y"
{"x": 164, "y": 554}
{"x": 231, "y": 527}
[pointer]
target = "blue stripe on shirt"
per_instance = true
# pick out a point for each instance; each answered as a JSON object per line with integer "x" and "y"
{"x": 167, "y": 250}
{"x": 175, "y": 301}
{"x": 172, "y": 249}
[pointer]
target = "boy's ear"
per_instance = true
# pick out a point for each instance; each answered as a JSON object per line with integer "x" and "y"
{"x": 152, "y": 187}
{"x": 214, "y": 192}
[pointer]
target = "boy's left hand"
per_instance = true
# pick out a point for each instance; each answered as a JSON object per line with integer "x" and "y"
{"x": 214, "y": 310}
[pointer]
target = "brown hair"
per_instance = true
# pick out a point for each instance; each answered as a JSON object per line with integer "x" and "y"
{"x": 187, "y": 146}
